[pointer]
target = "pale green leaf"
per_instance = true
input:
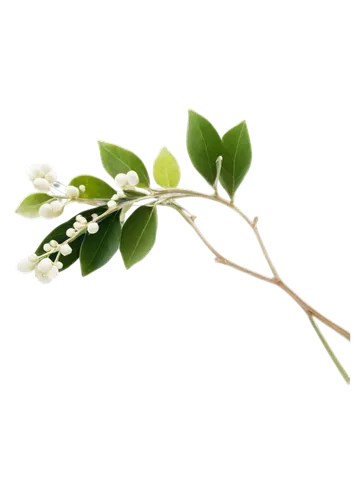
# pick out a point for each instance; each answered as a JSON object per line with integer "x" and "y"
{"x": 97, "y": 249}
{"x": 237, "y": 156}
{"x": 166, "y": 169}
{"x": 138, "y": 235}
{"x": 204, "y": 146}
{"x": 30, "y": 206}
{"x": 94, "y": 187}
{"x": 117, "y": 160}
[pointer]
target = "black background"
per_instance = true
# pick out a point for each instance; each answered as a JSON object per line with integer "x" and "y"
{"x": 234, "y": 334}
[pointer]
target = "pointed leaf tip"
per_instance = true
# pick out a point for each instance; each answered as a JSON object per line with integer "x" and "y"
{"x": 204, "y": 146}
{"x": 190, "y": 109}
{"x": 237, "y": 155}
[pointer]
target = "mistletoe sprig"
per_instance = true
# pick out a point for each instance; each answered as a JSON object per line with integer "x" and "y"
{"x": 95, "y": 235}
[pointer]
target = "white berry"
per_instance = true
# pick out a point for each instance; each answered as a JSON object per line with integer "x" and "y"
{"x": 121, "y": 180}
{"x": 53, "y": 272}
{"x": 111, "y": 204}
{"x": 70, "y": 232}
{"x": 56, "y": 207}
{"x": 44, "y": 169}
{"x": 42, "y": 277}
{"x": 44, "y": 266}
{"x": 72, "y": 192}
{"x": 51, "y": 176}
{"x": 25, "y": 265}
{"x": 92, "y": 227}
{"x": 47, "y": 247}
{"x": 118, "y": 195}
{"x": 42, "y": 185}
{"x": 59, "y": 265}
{"x": 46, "y": 211}
{"x": 133, "y": 178}
{"x": 81, "y": 219}
{"x": 33, "y": 257}
{"x": 65, "y": 249}
{"x": 33, "y": 172}
{"x": 78, "y": 225}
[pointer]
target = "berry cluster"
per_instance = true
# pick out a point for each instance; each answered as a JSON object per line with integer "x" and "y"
{"x": 130, "y": 179}
{"x": 81, "y": 223}
{"x": 52, "y": 209}
{"x": 42, "y": 176}
{"x": 45, "y": 269}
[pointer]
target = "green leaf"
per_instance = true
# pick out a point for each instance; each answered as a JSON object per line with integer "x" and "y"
{"x": 138, "y": 235}
{"x": 166, "y": 169}
{"x": 237, "y": 156}
{"x": 29, "y": 207}
{"x": 59, "y": 234}
{"x": 97, "y": 249}
{"x": 204, "y": 146}
{"x": 117, "y": 160}
{"x": 95, "y": 188}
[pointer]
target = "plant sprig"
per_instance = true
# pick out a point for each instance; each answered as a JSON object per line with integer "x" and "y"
{"x": 94, "y": 236}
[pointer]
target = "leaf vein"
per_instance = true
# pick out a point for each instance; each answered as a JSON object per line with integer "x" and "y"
{"x": 116, "y": 157}
{"x": 234, "y": 159}
{"x": 206, "y": 149}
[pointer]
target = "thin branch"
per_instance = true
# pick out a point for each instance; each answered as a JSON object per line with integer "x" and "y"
{"x": 253, "y": 225}
{"x": 219, "y": 258}
{"x": 264, "y": 251}
{"x": 312, "y": 312}
{"x": 179, "y": 193}
{"x": 95, "y": 202}
{"x": 334, "y": 358}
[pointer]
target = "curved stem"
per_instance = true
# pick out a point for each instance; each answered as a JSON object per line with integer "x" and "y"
{"x": 219, "y": 258}
{"x": 253, "y": 224}
{"x": 93, "y": 202}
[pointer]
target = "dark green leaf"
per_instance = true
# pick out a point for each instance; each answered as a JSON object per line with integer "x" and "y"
{"x": 97, "y": 249}
{"x": 59, "y": 234}
{"x": 95, "y": 188}
{"x": 29, "y": 207}
{"x": 204, "y": 146}
{"x": 117, "y": 160}
{"x": 138, "y": 235}
{"x": 237, "y": 156}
